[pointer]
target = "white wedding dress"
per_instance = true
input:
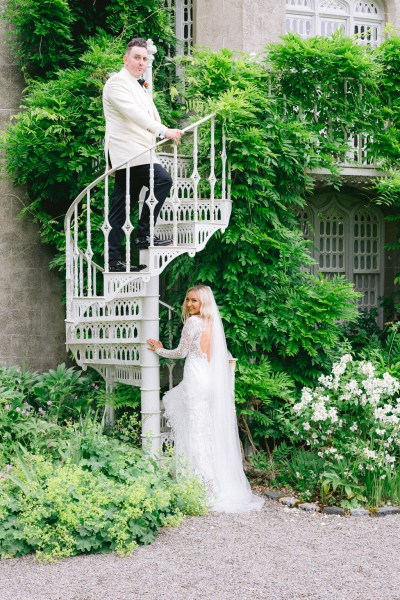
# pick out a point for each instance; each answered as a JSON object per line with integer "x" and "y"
{"x": 201, "y": 413}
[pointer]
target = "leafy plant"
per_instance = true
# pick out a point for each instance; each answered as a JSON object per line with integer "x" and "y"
{"x": 351, "y": 422}
{"x": 59, "y": 510}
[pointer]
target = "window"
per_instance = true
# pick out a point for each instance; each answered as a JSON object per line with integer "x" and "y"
{"x": 324, "y": 17}
{"x": 181, "y": 12}
{"x": 348, "y": 240}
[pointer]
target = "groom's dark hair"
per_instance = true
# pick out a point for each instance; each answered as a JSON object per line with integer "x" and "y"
{"x": 140, "y": 42}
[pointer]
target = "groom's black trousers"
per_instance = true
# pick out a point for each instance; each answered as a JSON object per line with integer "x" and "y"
{"x": 139, "y": 177}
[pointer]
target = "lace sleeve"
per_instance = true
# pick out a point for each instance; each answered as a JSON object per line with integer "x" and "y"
{"x": 188, "y": 333}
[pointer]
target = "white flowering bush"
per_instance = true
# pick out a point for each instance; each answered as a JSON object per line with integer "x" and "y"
{"x": 351, "y": 421}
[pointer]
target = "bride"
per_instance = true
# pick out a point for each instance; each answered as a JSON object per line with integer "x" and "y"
{"x": 201, "y": 409}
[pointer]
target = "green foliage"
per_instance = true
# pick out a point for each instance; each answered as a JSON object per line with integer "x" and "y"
{"x": 272, "y": 307}
{"x": 59, "y": 510}
{"x": 54, "y": 147}
{"x": 35, "y": 407}
{"x": 260, "y": 394}
{"x": 43, "y": 37}
{"x": 49, "y": 35}
{"x": 67, "y": 488}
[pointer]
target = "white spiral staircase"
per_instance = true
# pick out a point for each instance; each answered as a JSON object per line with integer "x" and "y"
{"x": 110, "y": 315}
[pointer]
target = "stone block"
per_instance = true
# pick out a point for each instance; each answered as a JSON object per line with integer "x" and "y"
{"x": 289, "y": 501}
{"x": 359, "y": 512}
{"x": 309, "y": 507}
{"x": 5, "y": 296}
{"x": 384, "y": 511}
{"x": 20, "y": 322}
{"x": 273, "y": 495}
{"x": 333, "y": 510}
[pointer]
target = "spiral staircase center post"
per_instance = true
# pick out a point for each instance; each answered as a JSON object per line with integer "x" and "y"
{"x": 150, "y": 368}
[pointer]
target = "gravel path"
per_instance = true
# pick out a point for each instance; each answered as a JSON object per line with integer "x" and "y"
{"x": 277, "y": 554}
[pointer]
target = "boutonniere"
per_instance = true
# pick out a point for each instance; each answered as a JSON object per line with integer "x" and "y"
{"x": 145, "y": 84}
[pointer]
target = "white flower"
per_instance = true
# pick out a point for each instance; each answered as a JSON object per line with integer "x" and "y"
{"x": 346, "y": 358}
{"x": 380, "y": 431}
{"x": 367, "y": 368}
{"x": 319, "y": 411}
{"x": 353, "y": 388}
{"x": 389, "y": 459}
{"x": 332, "y": 414}
{"x": 354, "y": 427}
{"x": 306, "y": 426}
{"x": 306, "y": 398}
{"x": 314, "y": 436}
{"x": 320, "y": 454}
{"x": 326, "y": 380}
{"x": 369, "y": 453}
{"x": 360, "y": 467}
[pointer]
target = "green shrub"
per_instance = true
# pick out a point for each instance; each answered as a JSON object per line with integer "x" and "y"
{"x": 58, "y": 510}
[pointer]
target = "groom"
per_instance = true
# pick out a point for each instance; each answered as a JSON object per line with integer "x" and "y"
{"x": 132, "y": 125}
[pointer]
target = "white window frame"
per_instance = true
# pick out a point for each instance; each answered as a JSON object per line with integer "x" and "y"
{"x": 184, "y": 26}
{"x": 350, "y": 18}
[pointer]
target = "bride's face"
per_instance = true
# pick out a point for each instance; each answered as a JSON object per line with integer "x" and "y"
{"x": 193, "y": 303}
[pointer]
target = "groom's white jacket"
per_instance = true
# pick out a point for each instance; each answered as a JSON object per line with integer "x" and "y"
{"x": 132, "y": 120}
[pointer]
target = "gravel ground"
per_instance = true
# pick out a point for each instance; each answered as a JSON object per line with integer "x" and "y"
{"x": 277, "y": 554}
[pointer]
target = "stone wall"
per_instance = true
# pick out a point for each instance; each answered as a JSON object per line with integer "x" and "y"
{"x": 31, "y": 314}
{"x": 245, "y": 25}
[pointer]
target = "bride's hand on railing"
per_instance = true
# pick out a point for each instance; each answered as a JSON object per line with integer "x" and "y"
{"x": 154, "y": 344}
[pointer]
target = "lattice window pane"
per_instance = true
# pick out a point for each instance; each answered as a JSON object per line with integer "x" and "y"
{"x": 329, "y": 26}
{"x": 184, "y": 25}
{"x": 366, "y": 242}
{"x": 300, "y": 25}
{"x": 368, "y": 285}
{"x": 367, "y": 33}
{"x": 358, "y": 150}
{"x": 331, "y": 243}
{"x": 367, "y": 8}
{"x": 306, "y": 222}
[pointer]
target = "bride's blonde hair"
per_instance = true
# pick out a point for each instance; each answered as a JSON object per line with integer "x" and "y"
{"x": 204, "y": 294}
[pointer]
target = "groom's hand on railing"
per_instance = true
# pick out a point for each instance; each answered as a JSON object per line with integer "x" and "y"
{"x": 174, "y": 134}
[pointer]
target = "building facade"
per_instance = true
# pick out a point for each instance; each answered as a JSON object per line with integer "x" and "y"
{"x": 349, "y": 234}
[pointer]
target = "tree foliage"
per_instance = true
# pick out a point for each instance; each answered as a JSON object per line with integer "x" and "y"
{"x": 49, "y": 35}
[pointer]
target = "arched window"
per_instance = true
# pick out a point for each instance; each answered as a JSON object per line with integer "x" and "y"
{"x": 324, "y": 17}
{"x": 348, "y": 240}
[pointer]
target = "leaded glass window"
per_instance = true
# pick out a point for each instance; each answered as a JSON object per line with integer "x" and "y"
{"x": 347, "y": 240}
{"x": 181, "y": 12}
{"x": 324, "y": 17}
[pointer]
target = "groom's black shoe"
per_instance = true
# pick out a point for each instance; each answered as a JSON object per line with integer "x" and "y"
{"x": 144, "y": 242}
{"x": 119, "y": 266}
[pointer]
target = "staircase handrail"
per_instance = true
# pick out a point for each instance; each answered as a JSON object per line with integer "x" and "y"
{"x": 108, "y": 172}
